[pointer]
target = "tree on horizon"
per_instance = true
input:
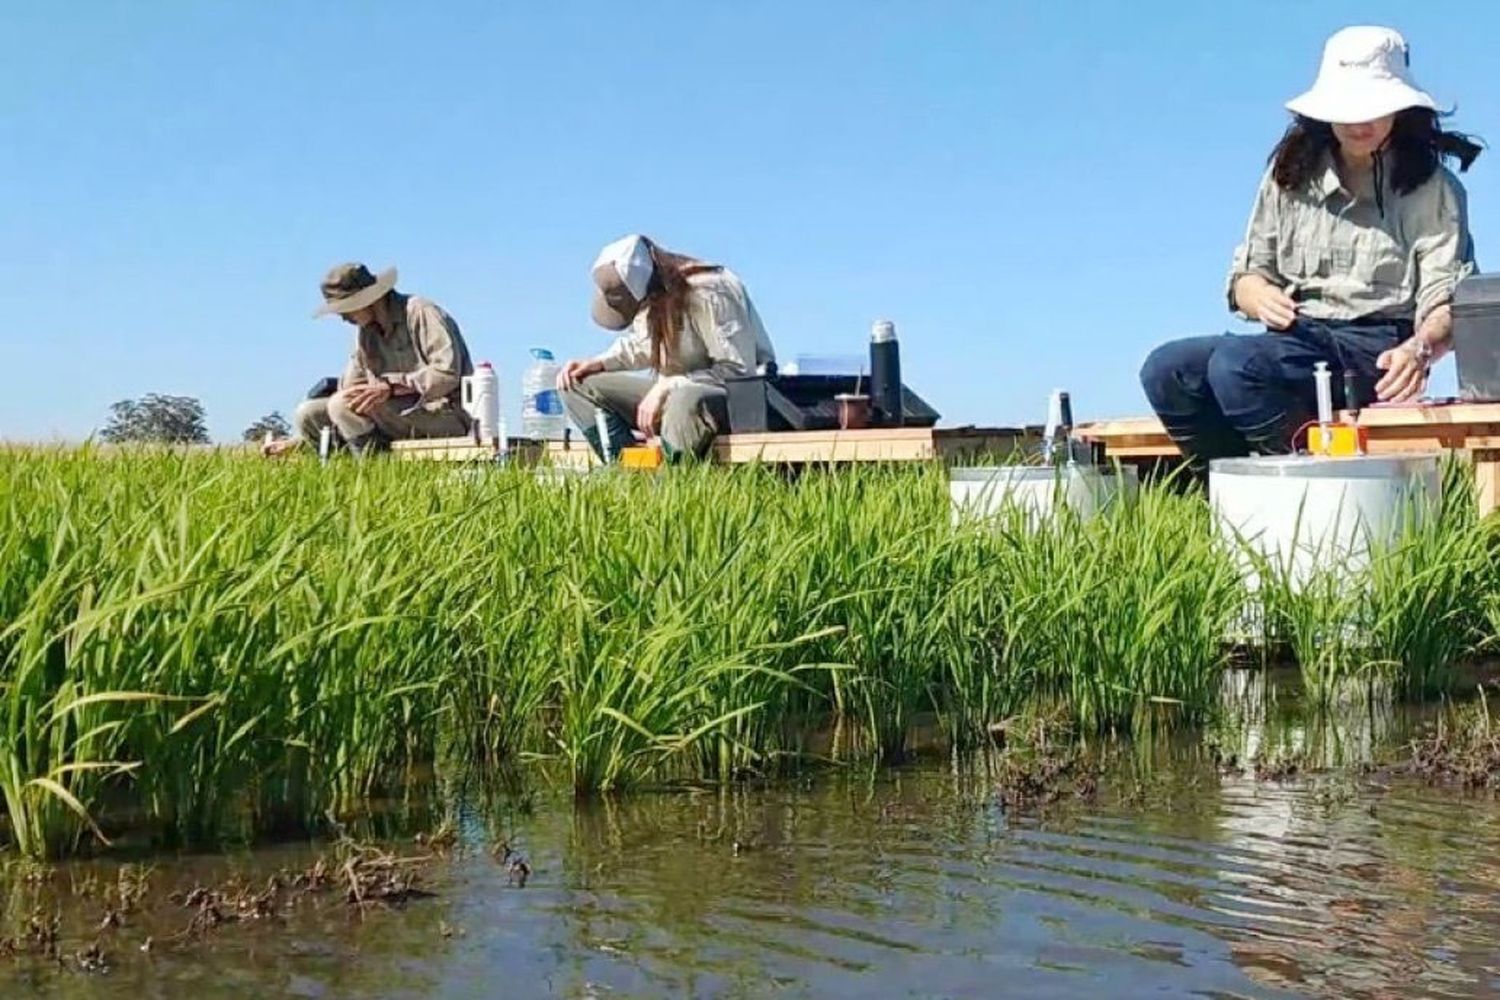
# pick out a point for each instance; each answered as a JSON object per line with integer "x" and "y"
{"x": 158, "y": 419}
{"x": 273, "y": 422}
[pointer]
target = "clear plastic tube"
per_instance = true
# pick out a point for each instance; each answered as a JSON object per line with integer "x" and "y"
{"x": 601, "y": 424}
{"x": 1323, "y": 379}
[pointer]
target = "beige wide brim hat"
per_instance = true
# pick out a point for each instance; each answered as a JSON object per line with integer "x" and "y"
{"x": 1365, "y": 74}
{"x": 351, "y": 287}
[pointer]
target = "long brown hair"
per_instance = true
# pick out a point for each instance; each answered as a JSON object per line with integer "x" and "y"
{"x": 666, "y": 297}
{"x": 1416, "y": 146}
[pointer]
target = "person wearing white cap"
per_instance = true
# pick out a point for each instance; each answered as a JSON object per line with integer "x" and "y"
{"x": 1356, "y": 239}
{"x": 689, "y": 322}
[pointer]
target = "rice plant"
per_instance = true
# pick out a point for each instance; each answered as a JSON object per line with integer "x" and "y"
{"x": 208, "y": 647}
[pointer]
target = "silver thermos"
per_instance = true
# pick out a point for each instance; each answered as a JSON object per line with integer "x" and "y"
{"x": 885, "y": 376}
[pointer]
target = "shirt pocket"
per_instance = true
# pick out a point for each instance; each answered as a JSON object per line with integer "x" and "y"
{"x": 1379, "y": 260}
{"x": 1318, "y": 262}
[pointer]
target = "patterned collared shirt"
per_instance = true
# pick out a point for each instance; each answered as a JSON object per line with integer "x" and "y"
{"x": 424, "y": 351}
{"x": 1342, "y": 255}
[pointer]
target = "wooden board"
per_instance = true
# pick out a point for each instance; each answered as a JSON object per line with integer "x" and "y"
{"x": 1487, "y": 480}
{"x": 1393, "y": 430}
{"x": 901, "y": 444}
{"x": 1470, "y": 427}
{"x": 897, "y": 444}
{"x": 524, "y": 450}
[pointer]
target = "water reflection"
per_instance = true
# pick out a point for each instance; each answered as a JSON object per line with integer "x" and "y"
{"x": 1264, "y": 717}
{"x": 1181, "y": 877}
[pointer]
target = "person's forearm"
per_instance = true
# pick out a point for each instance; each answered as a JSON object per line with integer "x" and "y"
{"x": 1245, "y": 288}
{"x": 409, "y": 383}
{"x": 1437, "y": 330}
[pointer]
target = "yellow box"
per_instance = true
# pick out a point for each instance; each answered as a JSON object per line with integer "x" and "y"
{"x": 641, "y": 457}
{"x": 1342, "y": 439}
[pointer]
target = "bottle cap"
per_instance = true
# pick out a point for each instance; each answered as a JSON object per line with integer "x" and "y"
{"x": 882, "y": 332}
{"x": 542, "y": 354}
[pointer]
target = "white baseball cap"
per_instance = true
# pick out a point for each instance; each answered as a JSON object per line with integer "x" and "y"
{"x": 1365, "y": 74}
{"x": 622, "y": 272}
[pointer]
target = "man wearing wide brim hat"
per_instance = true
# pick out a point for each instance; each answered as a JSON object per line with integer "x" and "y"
{"x": 402, "y": 378}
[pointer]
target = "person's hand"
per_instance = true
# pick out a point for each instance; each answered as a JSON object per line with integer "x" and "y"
{"x": 1405, "y": 373}
{"x": 271, "y": 449}
{"x": 1267, "y": 303}
{"x": 367, "y": 397}
{"x": 576, "y": 371}
{"x": 648, "y": 414}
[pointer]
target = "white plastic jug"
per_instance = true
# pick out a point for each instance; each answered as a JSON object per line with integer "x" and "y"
{"x": 480, "y": 395}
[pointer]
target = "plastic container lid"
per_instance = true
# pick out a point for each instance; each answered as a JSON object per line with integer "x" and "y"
{"x": 1477, "y": 291}
{"x": 1323, "y": 467}
{"x": 1029, "y": 473}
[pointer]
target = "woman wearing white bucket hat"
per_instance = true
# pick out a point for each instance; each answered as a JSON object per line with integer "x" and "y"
{"x": 690, "y": 322}
{"x": 1355, "y": 242}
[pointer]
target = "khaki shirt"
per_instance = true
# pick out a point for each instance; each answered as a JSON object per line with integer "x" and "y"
{"x": 425, "y": 351}
{"x": 721, "y": 336}
{"x": 1340, "y": 257}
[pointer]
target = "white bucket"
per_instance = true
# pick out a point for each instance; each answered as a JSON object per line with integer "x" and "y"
{"x": 1305, "y": 513}
{"x": 1085, "y": 489}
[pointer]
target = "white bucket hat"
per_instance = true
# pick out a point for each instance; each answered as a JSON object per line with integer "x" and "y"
{"x": 1365, "y": 74}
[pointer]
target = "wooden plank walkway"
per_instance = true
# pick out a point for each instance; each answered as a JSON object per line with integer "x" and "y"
{"x": 1393, "y": 430}
{"x": 1473, "y": 428}
{"x": 897, "y": 444}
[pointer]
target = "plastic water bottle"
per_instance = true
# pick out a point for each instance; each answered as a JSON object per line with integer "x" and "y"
{"x": 542, "y": 416}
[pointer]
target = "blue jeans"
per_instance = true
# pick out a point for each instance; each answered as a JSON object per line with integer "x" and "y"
{"x": 1237, "y": 394}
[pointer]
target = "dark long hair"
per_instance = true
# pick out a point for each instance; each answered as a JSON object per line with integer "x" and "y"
{"x": 666, "y": 295}
{"x": 1417, "y": 145}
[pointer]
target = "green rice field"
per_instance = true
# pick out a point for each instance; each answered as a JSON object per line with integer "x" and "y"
{"x": 197, "y": 649}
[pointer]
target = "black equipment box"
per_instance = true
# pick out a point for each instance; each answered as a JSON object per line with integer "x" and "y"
{"x": 759, "y": 403}
{"x": 1476, "y": 337}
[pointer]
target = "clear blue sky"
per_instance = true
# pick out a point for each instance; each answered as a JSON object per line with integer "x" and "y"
{"x": 1036, "y": 193}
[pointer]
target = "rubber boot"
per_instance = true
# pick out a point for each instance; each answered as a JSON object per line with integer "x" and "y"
{"x": 620, "y": 436}
{"x": 683, "y": 456}
{"x": 369, "y": 444}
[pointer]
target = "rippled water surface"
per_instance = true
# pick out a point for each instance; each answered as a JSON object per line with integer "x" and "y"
{"x": 1174, "y": 879}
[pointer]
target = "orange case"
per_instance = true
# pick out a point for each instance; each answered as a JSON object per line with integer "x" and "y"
{"x": 1343, "y": 439}
{"x": 641, "y": 457}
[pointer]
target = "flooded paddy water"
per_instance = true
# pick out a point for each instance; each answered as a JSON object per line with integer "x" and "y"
{"x": 1278, "y": 854}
